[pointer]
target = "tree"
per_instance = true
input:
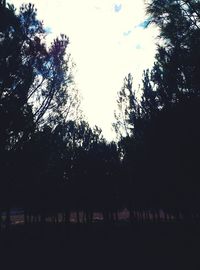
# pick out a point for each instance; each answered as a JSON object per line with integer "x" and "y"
{"x": 34, "y": 74}
{"x": 175, "y": 76}
{"x": 164, "y": 119}
{"x": 176, "y": 70}
{"x": 33, "y": 79}
{"x": 128, "y": 109}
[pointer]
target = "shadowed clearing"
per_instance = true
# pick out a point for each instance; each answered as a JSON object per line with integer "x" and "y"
{"x": 99, "y": 246}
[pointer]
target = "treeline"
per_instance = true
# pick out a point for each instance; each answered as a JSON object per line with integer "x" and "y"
{"x": 52, "y": 162}
{"x": 161, "y": 128}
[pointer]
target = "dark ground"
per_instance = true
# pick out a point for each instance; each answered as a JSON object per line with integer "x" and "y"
{"x": 96, "y": 246}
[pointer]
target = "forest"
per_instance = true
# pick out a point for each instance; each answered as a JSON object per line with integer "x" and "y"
{"x": 54, "y": 164}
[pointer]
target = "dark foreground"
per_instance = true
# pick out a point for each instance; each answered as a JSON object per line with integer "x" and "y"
{"x": 99, "y": 246}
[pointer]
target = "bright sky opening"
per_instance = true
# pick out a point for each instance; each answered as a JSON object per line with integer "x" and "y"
{"x": 108, "y": 40}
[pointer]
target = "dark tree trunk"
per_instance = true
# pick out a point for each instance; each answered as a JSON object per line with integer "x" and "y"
{"x": 77, "y": 217}
{"x": 66, "y": 217}
{"x": 116, "y": 216}
{"x": 153, "y": 216}
{"x": 25, "y": 217}
{"x": 7, "y": 218}
{"x": 56, "y": 218}
{"x": 0, "y": 220}
{"x": 105, "y": 216}
{"x": 43, "y": 220}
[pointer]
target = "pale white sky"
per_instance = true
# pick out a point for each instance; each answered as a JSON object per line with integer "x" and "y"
{"x": 107, "y": 41}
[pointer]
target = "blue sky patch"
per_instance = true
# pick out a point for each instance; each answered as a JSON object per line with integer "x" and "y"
{"x": 117, "y": 8}
{"x": 138, "y": 46}
{"x": 144, "y": 24}
{"x": 127, "y": 33}
{"x": 48, "y": 30}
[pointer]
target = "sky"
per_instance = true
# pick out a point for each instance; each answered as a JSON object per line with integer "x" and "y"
{"x": 108, "y": 40}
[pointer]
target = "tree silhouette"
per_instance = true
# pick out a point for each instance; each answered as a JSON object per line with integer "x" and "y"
{"x": 33, "y": 79}
{"x": 164, "y": 119}
{"x": 54, "y": 164}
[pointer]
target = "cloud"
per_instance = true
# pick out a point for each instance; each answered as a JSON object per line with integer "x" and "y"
{"x": 48, "y": 30}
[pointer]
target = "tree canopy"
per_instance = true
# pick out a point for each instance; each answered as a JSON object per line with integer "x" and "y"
{"x": 53, "y": 162}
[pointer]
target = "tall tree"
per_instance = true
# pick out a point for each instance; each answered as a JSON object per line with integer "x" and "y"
{"x": 127, "y": 103}
{"x": 165, "y": 118}
{"x": 176, "y": 71}
{"x": 33, "y": 79}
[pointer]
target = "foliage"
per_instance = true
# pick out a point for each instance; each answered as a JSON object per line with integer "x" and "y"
{"x": 52, "y": 162}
